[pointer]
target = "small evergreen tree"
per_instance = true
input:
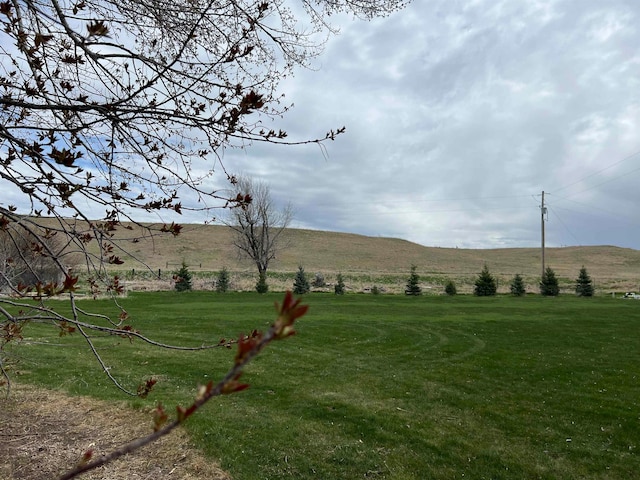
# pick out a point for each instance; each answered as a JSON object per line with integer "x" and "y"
{"x": 222, "y": 285}
{"x": 301, "y": 284}
{"x": 261, "y": 286}
{"x": 375, "y": 290}
{"x": 450, "y": 288}
{"x": 584, "y": 288}
{"x": 517, "y": 286}
{"x": 182, "y": 278}
{"x": 318, "y": 281}
{"x": 485, "y": 284}
{"x": 338, "y": 288}
{"x": 549, "y": 283}
{"x": 413, "y": 284}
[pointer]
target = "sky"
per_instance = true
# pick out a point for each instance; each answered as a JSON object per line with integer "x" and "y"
{"x": 458, "y": 115}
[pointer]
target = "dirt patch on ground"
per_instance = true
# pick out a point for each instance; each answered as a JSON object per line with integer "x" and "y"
{"x": 44, "y": 433}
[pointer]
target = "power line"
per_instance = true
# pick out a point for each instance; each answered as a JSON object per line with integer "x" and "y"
{"x": 425, "y": 211}
{"x": 564, "y": 225}
{"x": 602, "y": 183}
{"x": 607, "y": 213}
{"x": 427, "y": 201}
{"x": 598, "y": 173}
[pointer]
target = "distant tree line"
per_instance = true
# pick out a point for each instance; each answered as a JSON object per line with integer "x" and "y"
{"x": 485, "y": 284}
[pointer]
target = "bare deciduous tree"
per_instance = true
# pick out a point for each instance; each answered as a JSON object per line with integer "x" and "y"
{"x": 258, "y": 224}
{"x": 110, "y": 108}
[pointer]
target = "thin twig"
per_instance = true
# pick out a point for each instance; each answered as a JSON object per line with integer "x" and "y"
{"x": 248, "y": 349}
{"x": 231, "y": 375}
{"x": 54, "y": 316}
{"x": 102, "y": 364}
{"x": 105, "y": 369}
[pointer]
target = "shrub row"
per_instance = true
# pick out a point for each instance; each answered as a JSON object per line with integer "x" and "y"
{"x": 484, "y": 285}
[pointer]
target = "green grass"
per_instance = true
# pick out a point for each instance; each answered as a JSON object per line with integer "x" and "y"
{"x": 387, "y": 386}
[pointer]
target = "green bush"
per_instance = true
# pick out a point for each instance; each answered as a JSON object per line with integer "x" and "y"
{"x": 338, "y": 288}
{"x": 222, "y": 283}
{"x": 182, "y": 278}
{"x": 517, "y": 286}
{"x": 549, "y": 283}
{"x": 485, "y": 284}
{"x": 301, "y": 284}
{"x": 450, "y": 288}
{"x": 413, "y": 284}
{"x": 318, "y": 281}
{"x": 584, "y": 287}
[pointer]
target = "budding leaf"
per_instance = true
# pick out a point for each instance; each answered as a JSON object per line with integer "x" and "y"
{"x": 97, "y": 29}
{"x": 159, "y": 417}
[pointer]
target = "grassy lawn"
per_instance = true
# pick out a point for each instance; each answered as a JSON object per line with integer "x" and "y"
{"x": 386, "y": 386}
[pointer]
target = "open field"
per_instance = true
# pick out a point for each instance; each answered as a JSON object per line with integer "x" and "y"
{"x": 363, "y": 261}
{"x": 386, "y": 386}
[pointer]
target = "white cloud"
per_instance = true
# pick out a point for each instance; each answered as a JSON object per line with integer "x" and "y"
{"x": 458, "y": 115}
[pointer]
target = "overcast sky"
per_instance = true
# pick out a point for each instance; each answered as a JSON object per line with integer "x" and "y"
{"x": 459, "y": 114}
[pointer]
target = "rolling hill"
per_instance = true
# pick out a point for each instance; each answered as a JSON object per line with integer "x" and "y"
{"x": 376, "y": 260}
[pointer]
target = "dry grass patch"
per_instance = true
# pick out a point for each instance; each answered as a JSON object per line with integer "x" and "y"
{"x": 44, "y": 433}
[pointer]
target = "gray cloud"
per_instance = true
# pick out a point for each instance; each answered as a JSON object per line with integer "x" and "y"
{"x": 459, "y": 114}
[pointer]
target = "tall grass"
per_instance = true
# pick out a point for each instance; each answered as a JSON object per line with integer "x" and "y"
{"x": 387, "y": 386}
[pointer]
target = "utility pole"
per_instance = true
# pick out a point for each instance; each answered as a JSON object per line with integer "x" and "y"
{"x": 543, "y": 211}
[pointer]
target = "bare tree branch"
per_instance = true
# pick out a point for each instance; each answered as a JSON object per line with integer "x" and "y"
{"x": 110, "y": 109}
{"x": 248, "y": 348}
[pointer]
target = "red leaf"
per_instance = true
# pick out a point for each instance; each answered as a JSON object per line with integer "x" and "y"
{"x": 69, "y": 284}
{"x": 287, "y": 315}
{"x": 160, "y": 417}
{"x": 233, "y": 386}
{"x": 246, "y": 344}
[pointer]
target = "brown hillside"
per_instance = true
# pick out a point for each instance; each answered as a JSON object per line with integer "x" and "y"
{"x": 208, "y": 248}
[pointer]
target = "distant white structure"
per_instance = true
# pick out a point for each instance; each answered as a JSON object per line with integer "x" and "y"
{"x": 631, "y": 295}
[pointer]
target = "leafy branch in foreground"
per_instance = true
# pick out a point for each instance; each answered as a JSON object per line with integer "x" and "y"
{"x": 81, "y": 321}
{"x": 249, "y": 346}
{"x": 114, "y": 109}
